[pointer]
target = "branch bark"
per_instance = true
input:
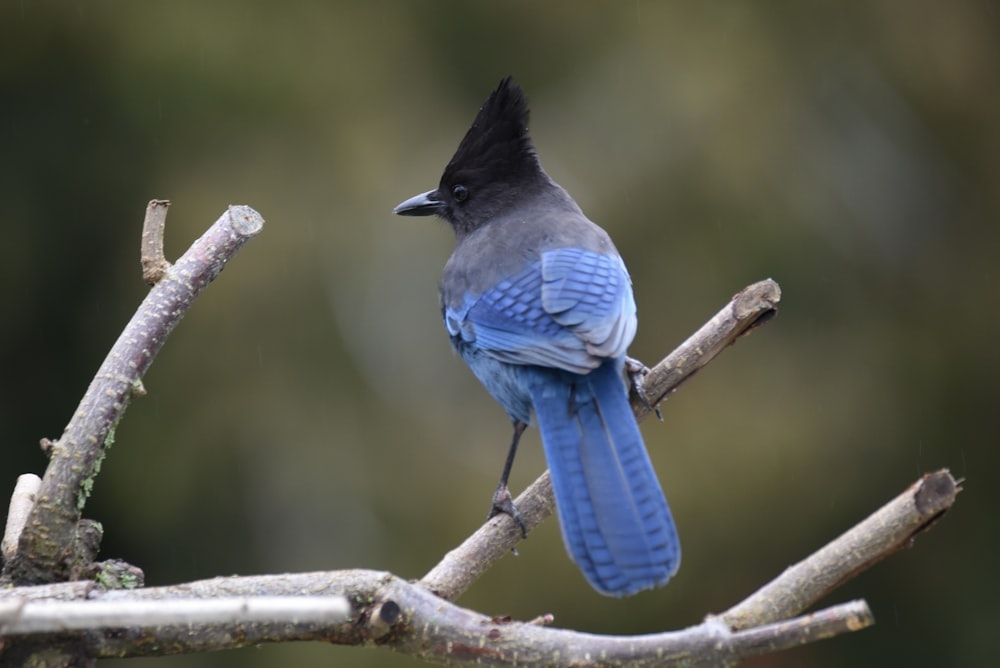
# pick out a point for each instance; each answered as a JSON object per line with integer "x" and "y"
{"x": 48, "y": 543}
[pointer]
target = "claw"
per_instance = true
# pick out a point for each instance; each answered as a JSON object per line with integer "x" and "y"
{"x": 503, "y": 503}
{"x": 636, "y": 371}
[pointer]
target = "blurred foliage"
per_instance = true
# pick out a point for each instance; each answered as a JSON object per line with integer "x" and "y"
{"x": 308, "y": 414}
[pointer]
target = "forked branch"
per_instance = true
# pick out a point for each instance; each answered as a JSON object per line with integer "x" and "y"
{"x": 48, "y": 545}
{"x": 415, "y": 618}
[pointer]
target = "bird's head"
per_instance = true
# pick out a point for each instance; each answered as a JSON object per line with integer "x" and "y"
{"x": 494, "y": 166}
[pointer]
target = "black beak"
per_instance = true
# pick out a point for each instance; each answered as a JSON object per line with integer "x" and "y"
{"x": 425, "y": 204}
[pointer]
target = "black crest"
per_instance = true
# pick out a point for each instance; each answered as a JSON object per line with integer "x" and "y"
{"x": 498, "y": 141}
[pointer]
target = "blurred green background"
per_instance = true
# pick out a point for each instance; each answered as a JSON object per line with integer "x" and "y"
{"x": 308, "y": 412}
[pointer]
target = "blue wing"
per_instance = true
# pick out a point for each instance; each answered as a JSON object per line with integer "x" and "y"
{"x": 571, "y": 310}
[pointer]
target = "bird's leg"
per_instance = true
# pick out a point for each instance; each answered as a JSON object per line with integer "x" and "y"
{"x": 636, "y": 371}
{"x": 503, "y": 502}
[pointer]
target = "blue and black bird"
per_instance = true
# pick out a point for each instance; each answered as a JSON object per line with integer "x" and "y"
{"x": 538, "y": 302}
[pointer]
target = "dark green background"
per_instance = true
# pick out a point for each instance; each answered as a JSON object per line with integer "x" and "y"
{"x": 308, "y": 413}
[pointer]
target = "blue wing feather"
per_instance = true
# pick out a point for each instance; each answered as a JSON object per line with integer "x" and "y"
{"x": 570, "y": 310}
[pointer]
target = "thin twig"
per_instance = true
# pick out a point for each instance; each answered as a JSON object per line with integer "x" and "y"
{"x": 753, "y": 306}
{"x": 154, "y": 263}
{"x": 495, "y": 539}
{"x": 47, "y": 542}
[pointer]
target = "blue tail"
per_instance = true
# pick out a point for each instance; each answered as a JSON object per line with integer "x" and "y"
{"x": 615, "y": 521}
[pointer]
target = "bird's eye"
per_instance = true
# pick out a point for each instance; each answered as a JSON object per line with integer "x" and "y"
{"x": 460, "y": 193}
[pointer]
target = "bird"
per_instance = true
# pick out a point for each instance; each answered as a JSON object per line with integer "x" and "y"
{"x": 538, "y": 303}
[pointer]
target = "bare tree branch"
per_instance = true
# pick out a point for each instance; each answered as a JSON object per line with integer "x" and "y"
{"x": 48, "y": 542}
{"x": 462, "y": 566}
{"x": 389, "y": 611}
{"x": 890, "y": 528}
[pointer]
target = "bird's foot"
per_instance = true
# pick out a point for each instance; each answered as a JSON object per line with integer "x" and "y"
{"x": 503, "y": 502}
{"x": 637, "y": 371}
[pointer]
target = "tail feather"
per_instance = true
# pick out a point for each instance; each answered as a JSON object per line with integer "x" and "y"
{"x": 615, "y": 520}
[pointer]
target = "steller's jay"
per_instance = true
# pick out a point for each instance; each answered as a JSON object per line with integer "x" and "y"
{"x": 539, "y": 304}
